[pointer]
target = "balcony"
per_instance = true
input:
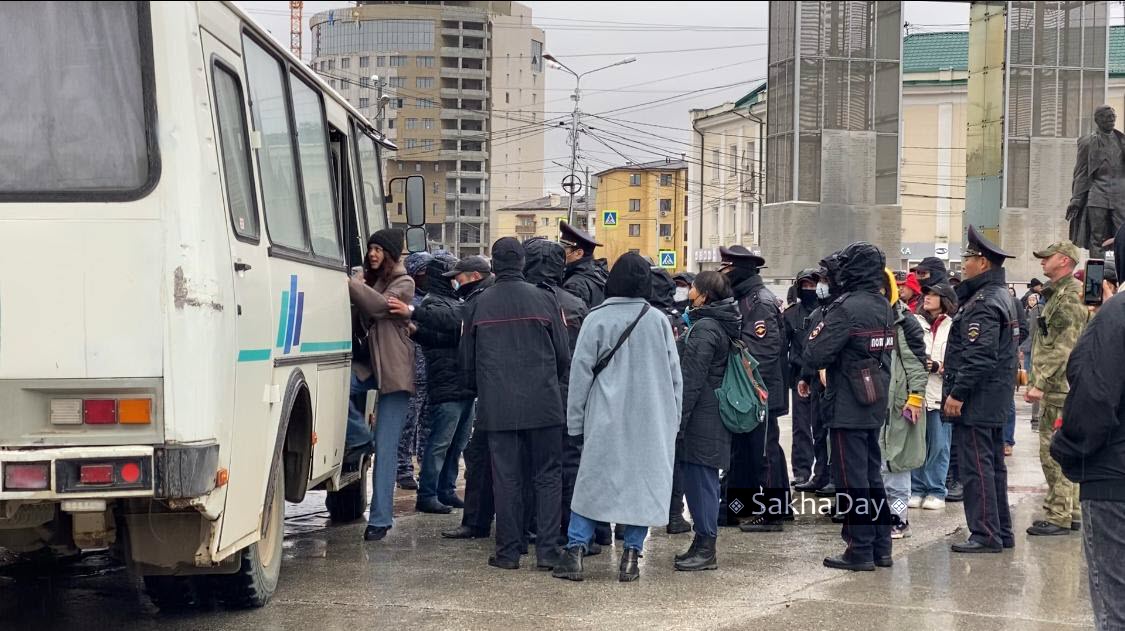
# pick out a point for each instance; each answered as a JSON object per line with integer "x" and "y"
{"x": 458, "y": 93}
{"x": 464, "y": 73}
{"x": 457, "y": 51}
{"x": 469, "y": 134}
{"x": 462, "y": 154}
{"x": 464, "y": 32}
{"x": 473, "y": 115}
{"x": 471, "y": 218}
{"x": 467, "y": 175}
{"x": 465, "y": 197}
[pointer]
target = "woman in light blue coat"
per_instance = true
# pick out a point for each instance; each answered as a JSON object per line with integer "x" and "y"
{"x": 627, "y": 415}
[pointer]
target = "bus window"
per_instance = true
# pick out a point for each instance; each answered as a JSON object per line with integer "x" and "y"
{"x": 313, "y": 150}
{"x": 236, "y": 153}
{"x": 78, "y": 114}
{"x": 372, "y": 181}
{"x": 278, "y": 170}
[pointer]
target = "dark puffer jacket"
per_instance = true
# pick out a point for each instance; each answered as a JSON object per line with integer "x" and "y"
{"x": 545, "y": 266}
{"x": 703, "y": 360}
{"x": 763, "y": 331}
{"x": 438, "y": 319}
{"x": 586, "y": 279}
{"x": 664, "y": 298}
{"x": 857, "y": 328}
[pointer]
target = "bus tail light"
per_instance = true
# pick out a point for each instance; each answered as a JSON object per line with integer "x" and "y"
{"x": 95, "y": 474}
{"x": 66, "y": 411}
{"x": 134, "y": 411}
{"x": 27, "y": 476}
{"x": 99, "y": 411}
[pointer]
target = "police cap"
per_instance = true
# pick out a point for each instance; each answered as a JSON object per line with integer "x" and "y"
{"x": 979, "y": 245}
{"x": 739, "y": 256}
{"x": 574, "y": 238}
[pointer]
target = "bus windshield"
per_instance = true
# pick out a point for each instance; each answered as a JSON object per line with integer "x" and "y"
{"x": 73, "y": 114}
{"x": 372, "y": 182}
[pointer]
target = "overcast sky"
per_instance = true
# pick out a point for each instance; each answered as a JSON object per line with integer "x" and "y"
{"x": 669, "y": 69}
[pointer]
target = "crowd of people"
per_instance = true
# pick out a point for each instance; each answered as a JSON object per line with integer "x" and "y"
{"x": 592, "y": 403}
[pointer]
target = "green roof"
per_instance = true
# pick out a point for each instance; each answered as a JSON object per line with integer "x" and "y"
{"x": 931, "y": 52}
{"x": 753, "y": 96}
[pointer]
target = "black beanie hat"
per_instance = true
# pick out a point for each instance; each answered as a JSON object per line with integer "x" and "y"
{"x": 390, "y": 239}
{"x": 629, "y": 278}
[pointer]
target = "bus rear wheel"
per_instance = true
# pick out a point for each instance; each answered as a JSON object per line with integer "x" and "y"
{"x": 256, "y": 579}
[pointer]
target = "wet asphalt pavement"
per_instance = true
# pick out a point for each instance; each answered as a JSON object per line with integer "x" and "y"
{"x": 416, "y": 580}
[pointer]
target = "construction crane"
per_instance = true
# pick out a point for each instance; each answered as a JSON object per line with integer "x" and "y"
{"x": 295, "y": 10}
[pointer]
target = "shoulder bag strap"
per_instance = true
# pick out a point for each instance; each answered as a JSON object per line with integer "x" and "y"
{"x": 604, "y": 361}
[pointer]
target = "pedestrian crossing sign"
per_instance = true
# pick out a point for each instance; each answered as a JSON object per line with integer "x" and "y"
{"x": 667, "y": 258}
{"x": 609, "y": 217}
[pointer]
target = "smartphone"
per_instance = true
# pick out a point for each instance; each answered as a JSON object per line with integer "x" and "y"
{"x": 1095, "y": 274}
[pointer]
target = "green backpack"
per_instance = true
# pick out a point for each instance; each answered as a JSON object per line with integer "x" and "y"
{"x": 743, "y": 400}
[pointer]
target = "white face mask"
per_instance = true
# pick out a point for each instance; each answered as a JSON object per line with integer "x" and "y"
{"x": 456, "y": 285}
{"x": 822, "y": 290}
{"x": 681, "y": 294}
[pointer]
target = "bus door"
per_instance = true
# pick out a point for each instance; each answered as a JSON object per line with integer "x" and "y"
{"x": 257, "y": 322}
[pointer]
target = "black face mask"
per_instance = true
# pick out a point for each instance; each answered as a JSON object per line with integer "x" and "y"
{"x": 808, "y": 298}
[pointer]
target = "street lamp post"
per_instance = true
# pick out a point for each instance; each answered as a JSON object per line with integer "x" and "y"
{"x": 576, "y": 115}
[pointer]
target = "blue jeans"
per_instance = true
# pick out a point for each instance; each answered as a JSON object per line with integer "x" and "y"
{"x": 388, "y": 430}
{"x": 1010, "y": 425}
{"x": 581, "y": 533}
{"x": 441, "y": 460}
{"x": 358, "y": 433}
{"x": 929, "y": 479}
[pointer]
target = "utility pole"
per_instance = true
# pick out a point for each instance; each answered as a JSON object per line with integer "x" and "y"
{"x": 575, "y": 119}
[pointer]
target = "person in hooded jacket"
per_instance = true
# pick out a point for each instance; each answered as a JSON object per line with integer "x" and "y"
{"x": 757, "y": 459}
{"x": 931, "y": 271}
{"x": 810, "y": 385}
{"x": 910, "y": 292}
{"x": 625, "y": 475}
{"x": 683, "y": 282}
{"x": 413, "y": 441}
{"x": 438, "y": 332}
{"x": 1090, "y": 447}
{"x": 585, "y": 277}
{"x": 854, "y": 343}
{"x": 703, "y": 446}
{"x": 384, "y": 359}
{"x": 795, "y": 316}
{"x": 545, "y": 266}
{"x": 520, "y": 400}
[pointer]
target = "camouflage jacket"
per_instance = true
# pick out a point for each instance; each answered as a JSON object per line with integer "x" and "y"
{"x": 1057, "y": 331}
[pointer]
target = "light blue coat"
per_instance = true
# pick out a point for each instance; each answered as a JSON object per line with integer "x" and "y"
{"x": 628, "y": 416}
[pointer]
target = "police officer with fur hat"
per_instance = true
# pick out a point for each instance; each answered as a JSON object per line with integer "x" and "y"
{"x": 763, "y": 332}
{"x": 980, "y": 373}
{"x": 584, "y": 277}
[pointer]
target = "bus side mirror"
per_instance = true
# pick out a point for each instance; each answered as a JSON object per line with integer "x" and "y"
{"x": 416, "y": 237}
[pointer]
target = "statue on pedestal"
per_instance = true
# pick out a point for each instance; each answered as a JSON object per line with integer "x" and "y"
{"x": 1097, "y": 203}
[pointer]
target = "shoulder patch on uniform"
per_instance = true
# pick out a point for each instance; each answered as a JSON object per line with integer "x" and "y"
{"x": 760, "y": 328}
{"x": 816, "y": 331}
{"x": 973, "y": 331}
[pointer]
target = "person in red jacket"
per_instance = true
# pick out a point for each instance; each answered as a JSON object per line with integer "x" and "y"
{"x": 910, "y": 290}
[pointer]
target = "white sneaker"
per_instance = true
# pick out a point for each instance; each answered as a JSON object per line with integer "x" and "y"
{"x": 933, "y": 503}
{"x": 915, "y": 502}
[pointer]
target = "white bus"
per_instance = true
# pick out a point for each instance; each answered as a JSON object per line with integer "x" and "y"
{"x": 180, "y": 202}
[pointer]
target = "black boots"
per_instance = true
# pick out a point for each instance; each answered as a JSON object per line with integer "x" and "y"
{"x": 700, "y": 556}
{"x": 843, "y": 562}
{"x": 570, "y": 564}
{"x": 628, "y": 570}
{"x": 677, "y": 524}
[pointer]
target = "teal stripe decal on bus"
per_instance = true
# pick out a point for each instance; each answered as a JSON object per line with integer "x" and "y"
{"x": 320, "y": 347}
{"x": 281, "y": 324}
{"x": 254, "y": 355}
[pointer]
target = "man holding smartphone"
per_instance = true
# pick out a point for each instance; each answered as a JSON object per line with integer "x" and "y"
{"x": 1059, "y": 326}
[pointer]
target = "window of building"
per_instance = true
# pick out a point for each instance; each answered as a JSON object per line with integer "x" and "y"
{"x": 398, "y": 103}
{"x": 411, "y": 143}
{"x": 732, "y": 213}
{"x": 331, "y": 64}
{"x": 734, "y": 166}
{"x": 507, "y": 97}
{"x": 428, "y": 123}
{"x": 380, "y": 61}
{"x": 397, "y": 82}
{"x": 390, "y": 123}
{"x": 345, "y": 63}
{"x": 634, "y": 230}
{"x": 425, "y": 61}
{"x": 365, "y": 82}
{"x": 715, "y": 158}
{"x": 666, "y": 230}
{"x": 424, "y": 83}
{"x": 277, "y": 165}
{"x": 685, "y": 229}
{"x": 396, "y": 61}
{"x": 666, "y": 205}
{"x": 365, "y": 62}
{"x": 665, "y": 179}
{"x": 338, "y": 37}
{"x": 364, "y": 101}
{"x": 312, "y": 146}
{"x": 428, "y": 144}
{"x": 411, "y": 123}
{"x": 634, "y": 205}
{"x": 537, "y": 56}
{"x": 634, "y": 179}
{"x": 332, "y": 83}
{"x": 425, "y": 103}
{"x": 437, "y": 188}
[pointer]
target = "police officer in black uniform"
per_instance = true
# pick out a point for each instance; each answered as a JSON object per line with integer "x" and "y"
{"x": 853, "y": 343}
{"x": 980, "y": 373}
{"x": 796, "y": 316}
{"x": 584, "y": 277}
{"x": 757, "y": 459}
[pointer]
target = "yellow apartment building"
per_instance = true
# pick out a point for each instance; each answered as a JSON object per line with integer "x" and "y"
{"x": 642, "y": 208}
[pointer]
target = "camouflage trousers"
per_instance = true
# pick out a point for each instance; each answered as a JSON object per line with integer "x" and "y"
{"x": 414, "y": 433}
{"x": 1061, "y": 503}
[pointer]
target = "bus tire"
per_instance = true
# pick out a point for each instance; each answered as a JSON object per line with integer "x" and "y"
{"x": 173, "y": 593}
{"x": 348, "y": 504}
{"x": 255, "y": 581}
